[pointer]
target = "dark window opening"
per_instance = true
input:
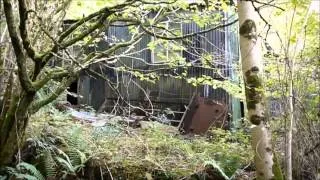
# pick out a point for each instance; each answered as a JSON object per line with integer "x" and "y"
{"x": 242, "y": 109}
{"x": 72, "y": 95}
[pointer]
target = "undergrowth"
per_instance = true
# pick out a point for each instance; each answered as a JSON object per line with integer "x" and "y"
{"x": 122, "y": 152}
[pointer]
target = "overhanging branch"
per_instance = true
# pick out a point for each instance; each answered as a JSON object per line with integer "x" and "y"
{"x": 97, "y": 25}
{"x": 47, "y": 56}
{"x": 52, "y": 74}
{"x": 187, "y": 35}
{"x": 105, "y": 10}
{"x": 106, "y": 53}
{"x": 35, "y": 106}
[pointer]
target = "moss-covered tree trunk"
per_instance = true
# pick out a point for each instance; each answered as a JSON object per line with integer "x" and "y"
{"x": 20, "y": 91}
{"x": 252, "y": 71}
{"x": 19, "y": 100}
{"x": 13, "y": 124}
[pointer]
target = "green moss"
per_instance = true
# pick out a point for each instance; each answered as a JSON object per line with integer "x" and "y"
{"x": 248, "y": 29}
{"x": 254, "y": 89}
{"x": 276, "y": 168}
{"x": 256, "y": 120}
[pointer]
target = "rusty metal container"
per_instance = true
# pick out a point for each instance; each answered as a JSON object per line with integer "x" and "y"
{"x": 201, "y": 114}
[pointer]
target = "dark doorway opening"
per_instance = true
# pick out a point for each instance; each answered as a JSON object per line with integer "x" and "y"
{"x": 72, "y": 95}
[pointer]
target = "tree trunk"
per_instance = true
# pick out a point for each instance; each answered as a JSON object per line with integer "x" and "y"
{"x": 13, "y": 127}
{"x": 289, "y": 133}
{"x": 291, "y": 63}
{"x": 252, "y": 71}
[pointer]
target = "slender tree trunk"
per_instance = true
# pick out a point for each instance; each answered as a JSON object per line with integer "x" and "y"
{"x": 289, "y": 133}
{"x": 291, "y": 62}
{"x": 252, "y": 71}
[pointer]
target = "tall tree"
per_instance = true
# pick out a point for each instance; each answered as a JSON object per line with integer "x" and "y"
{"x": 32, "y": 56}
{"x": 292, "y": 90}
{"x": 291, "y": 58}
{"x": 251, "y": 59}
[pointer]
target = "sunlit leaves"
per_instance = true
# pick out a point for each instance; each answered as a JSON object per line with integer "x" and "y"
{"x": 151, "y": 77}
{"x": 203, "y": 19}
{"x": 164, "y": 19}
{"x": 300, "y": 3}
{"x": 80, "y": 8}
{"x": 303, "y": 49}
{"x": 206, "y": 60}
{"x": 227, "y": 85}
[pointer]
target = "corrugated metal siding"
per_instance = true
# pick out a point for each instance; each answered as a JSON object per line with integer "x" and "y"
{"x": 221, "y": 44}
{"x": 118, "y": 34}
{"x": 232, "y": 57}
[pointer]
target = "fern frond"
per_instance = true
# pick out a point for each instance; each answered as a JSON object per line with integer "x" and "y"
{"x": 3, "y": 177}
{"x": 31, "y": 169}
{"x": 76, "y": 157}
{"x": 10, "y": 170}
{"x": 217, "y": 167}
{"x": 25, "y": 176}
{"x": 49, "y": 164}
{"x": 66, "y": 164}
{"x": 73, "y": 139}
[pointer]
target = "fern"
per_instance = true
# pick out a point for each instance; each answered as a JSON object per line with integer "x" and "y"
{"x": 66, "y": 164}
{"x": 48, "y": 164}
{"x": 77, "y": 158}
{"x": 25, "y": 177}
{"x": 217, "y": 168}
{"x": 31, "y": 169}
{"x": 75, "y": 142}
{"x": 26, "y": 171}
{"x": 71, "y": 166}
{"x": 51, "y": 159}
{"x": 75, "y": 139}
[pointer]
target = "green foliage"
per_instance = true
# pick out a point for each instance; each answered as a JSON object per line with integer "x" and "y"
{"x": 216, "y": 167}
{"x": 59, "y": 152}
{"x": 300, "y": 3}
{"x": 295, "y": 41}
{"x": 276, "y": 168}
{"x": 227, "y": 85}
{"x": 75, "y": 157}
{"x": 26, "y": 171}
{"x": 157, "y": 149}
{"x": 177, "y": 155}
{"x": 71, "y": 166}
{"x": 48, "y": 164}
{"x": 167, "y": 23}
{"x": 228, "y": 145}
{"x": 70, "y": 155}
{"x": 80, "y": 8}
{"x": 206, "y": 19}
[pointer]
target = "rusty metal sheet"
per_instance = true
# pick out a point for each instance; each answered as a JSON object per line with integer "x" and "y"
{"x": 202, "y": 113}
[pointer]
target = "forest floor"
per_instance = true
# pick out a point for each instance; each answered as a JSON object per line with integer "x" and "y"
{"x": 88, "y": 146}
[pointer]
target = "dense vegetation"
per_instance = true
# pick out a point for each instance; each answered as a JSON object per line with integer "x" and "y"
{"x": 41, "y": 140}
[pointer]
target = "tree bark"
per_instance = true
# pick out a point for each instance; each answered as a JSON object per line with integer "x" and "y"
{"x": 252, "y": 71}
{"x": 13, "y": 126}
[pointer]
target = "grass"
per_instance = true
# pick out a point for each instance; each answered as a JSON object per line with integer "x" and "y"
{"x": 153, "y": 149}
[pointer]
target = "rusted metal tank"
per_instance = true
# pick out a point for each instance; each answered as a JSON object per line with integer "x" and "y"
{"x": 201, "y": 114}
